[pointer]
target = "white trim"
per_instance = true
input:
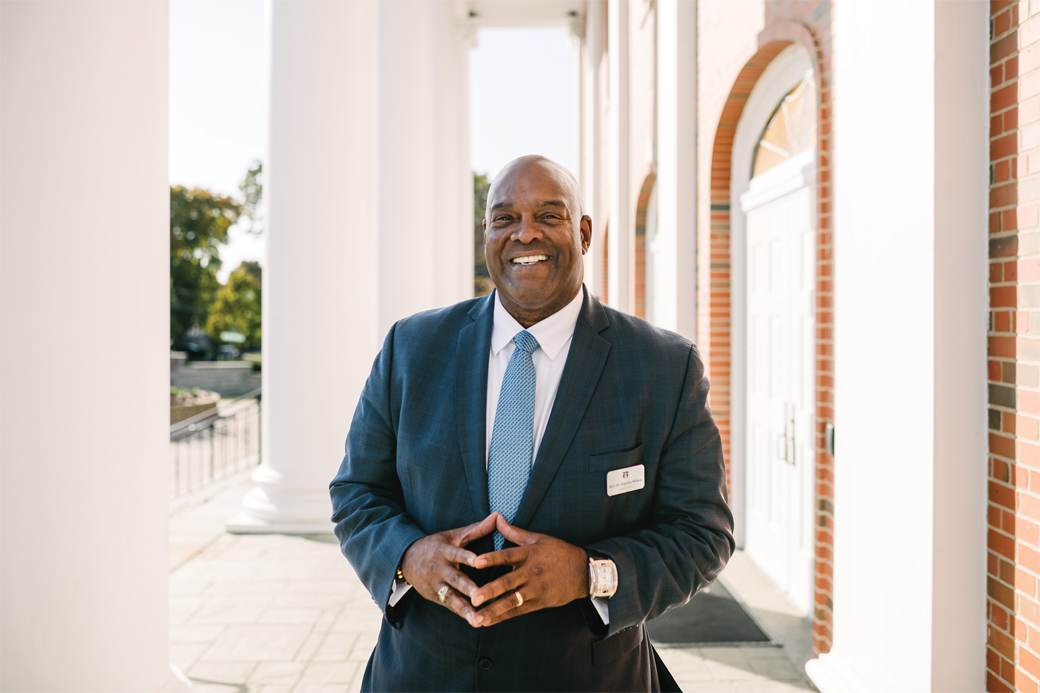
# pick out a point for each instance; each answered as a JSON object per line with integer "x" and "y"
{"x": 782, "y": 75}
{"x": 830, "y": 675}
{"x": 621, "y": 236}
{"x": 795, "y": 173}
{"x": 676, "y": 263}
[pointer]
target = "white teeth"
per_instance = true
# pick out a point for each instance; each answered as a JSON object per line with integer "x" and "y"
{"x": 529, "y": 260}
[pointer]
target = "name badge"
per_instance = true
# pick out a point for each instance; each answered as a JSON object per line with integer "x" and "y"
{"x": 626, "y": 480}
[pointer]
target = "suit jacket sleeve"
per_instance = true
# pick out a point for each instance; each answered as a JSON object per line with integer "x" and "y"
{"x": 367, "y": 500}
{"x": 690, "y": 536}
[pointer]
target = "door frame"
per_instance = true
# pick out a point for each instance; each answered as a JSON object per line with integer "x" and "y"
{"x": 786, "y": 70}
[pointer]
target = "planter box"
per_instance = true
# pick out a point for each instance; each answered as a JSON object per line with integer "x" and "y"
{"x": 186, "y": 411}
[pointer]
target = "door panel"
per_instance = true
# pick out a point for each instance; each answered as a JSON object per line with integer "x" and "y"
{"x": 781, "y": 390}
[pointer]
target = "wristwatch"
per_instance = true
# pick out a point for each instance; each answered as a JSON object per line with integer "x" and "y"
{"x": 603, "y": 578}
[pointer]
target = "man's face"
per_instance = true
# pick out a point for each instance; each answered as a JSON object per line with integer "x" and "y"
{"x": 534, "y": 239}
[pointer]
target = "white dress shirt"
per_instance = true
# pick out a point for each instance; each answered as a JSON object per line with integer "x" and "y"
{"x": 554, "y": 334}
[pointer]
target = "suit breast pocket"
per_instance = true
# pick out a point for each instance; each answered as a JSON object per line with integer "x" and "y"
{"x": 609, "y": 461}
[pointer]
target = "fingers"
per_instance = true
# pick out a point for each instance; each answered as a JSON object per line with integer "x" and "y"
{"x": 515, "y": 534}
{"x": 510, "y": 582}
{"x": 455, "y": 554}
{"x": 507, "y": 607}
{"x": 459, "y": 581}
{"x": 512, "y": 556}
{"x": 458, "y": 604}
{"x": 466, "y": 535}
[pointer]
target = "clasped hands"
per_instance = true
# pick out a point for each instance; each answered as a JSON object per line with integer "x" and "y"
{"x": 547, "y": 572}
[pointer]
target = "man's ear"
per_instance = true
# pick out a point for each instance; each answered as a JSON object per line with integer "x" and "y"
{"x": 585, "y": 227}
{"x": 483, "y": 225}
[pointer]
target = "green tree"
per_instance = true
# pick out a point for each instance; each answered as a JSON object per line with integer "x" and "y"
{"x": 482, "y": 283}
{"x": 252, "y": 188}
{"x": 199, "y": 223}
{"x": 237, "y": 308}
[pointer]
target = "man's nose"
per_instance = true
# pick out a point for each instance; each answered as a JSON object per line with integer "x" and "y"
{"x": 527, "y": 230}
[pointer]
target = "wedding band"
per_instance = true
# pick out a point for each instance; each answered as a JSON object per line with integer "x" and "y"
{"x": 519, "y": 599}
{"x": 442, "y": 593}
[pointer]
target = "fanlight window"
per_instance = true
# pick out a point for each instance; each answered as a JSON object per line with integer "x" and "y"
{"x": 791, "y": 129}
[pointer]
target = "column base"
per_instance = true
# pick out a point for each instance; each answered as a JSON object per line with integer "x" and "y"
{"x": 176, "y": 682}
{"x": 831, "y": 675}
{"x": 275, "y": 507}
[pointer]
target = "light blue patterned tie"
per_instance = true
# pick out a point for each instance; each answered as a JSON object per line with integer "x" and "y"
{"x": 512, "y": 439}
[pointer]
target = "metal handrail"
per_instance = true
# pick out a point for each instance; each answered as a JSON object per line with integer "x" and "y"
{"x": 192, "y": 423}
{"x": 215, "y": 444}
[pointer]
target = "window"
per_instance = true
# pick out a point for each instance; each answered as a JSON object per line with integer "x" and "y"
{"x": 791, "y": 129}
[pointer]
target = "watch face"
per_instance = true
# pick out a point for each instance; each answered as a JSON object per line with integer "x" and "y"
{"x": 605, "y": 584}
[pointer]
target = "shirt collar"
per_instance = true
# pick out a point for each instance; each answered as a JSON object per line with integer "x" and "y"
{"x": 552, "y": 333}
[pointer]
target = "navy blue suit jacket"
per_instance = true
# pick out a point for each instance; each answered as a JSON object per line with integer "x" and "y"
{"x": 415, "y": 464}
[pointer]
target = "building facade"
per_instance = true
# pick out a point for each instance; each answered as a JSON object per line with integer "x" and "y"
{"x": 799, "y": 188}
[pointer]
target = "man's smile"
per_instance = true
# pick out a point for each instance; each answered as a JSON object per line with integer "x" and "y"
{"x": 528, "y": 259}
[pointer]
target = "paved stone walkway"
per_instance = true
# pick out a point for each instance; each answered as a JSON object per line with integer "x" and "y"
{"x": 281, "y": 614}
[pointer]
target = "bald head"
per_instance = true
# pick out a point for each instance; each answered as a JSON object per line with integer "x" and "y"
{"x": 537, "y": 165}
{"x": 535, "y": 233}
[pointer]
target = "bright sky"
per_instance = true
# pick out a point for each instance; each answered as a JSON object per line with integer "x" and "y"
{"x": 523, "y": 86}
{"x": 218, "y": 107}
{"x": 523, "y": 100}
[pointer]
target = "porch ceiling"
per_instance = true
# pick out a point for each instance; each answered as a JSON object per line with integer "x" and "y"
{"x": 523, "y": 12}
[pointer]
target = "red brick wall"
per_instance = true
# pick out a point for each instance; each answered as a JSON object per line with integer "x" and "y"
{"x": 784, "y": 22}
{"x": 1013, "y": 602}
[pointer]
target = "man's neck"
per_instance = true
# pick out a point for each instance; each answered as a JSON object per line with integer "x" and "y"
{"x": 526, "y": 317}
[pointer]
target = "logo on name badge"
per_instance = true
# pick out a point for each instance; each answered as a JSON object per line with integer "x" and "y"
{"x": 626, "y": 480}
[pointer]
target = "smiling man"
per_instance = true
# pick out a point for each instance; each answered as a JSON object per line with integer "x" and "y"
{"x": 530, "y": 476}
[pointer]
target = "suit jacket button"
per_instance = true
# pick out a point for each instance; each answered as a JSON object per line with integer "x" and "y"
{"x": 484, "y": 663}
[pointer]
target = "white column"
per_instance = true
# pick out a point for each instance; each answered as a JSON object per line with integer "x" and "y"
{"x": 409, "y": 231}
{"x": 591, "y": 137}
{"x": 320, "y": 314}
{"x": 675, "y": 262}
{"x": 453, "y": 178}
{"x": 910, "y": 350}
{"x": 84, "y": 319}
{"x": 425, "y": 185}
{"x": 621, "y": 231}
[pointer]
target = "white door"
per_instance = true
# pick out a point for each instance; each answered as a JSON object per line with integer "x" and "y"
{"x": 781, "y": 255}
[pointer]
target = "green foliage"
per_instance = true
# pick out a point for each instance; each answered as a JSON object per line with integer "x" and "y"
{"x": 252, "y": 190}
{"x": 180, "y": 396}
{"x": 481, "y": 279}
{"x": 199, "y": 223}
{"x": 237, "y": 308}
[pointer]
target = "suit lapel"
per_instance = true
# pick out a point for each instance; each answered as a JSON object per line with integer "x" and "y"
{"x": 471, "y": 365}
{"x": 585, "y": 362}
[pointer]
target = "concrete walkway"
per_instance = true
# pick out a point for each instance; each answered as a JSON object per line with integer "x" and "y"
{"x": 281, "y": 614}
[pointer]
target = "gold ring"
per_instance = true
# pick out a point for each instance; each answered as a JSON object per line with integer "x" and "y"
{"x": 442, "y": 593}
{"x": 519, "y": 599}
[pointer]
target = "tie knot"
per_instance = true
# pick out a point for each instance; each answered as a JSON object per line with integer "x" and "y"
{"x": 526, "y": 341}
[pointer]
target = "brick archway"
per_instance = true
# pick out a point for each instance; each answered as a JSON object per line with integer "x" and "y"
{"x": 642, "y": 202}
{"x": 715, "y": 288}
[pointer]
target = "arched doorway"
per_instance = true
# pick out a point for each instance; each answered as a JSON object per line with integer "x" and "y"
{"x": 646, "y": 231}
{"x": 774, "y": 252}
